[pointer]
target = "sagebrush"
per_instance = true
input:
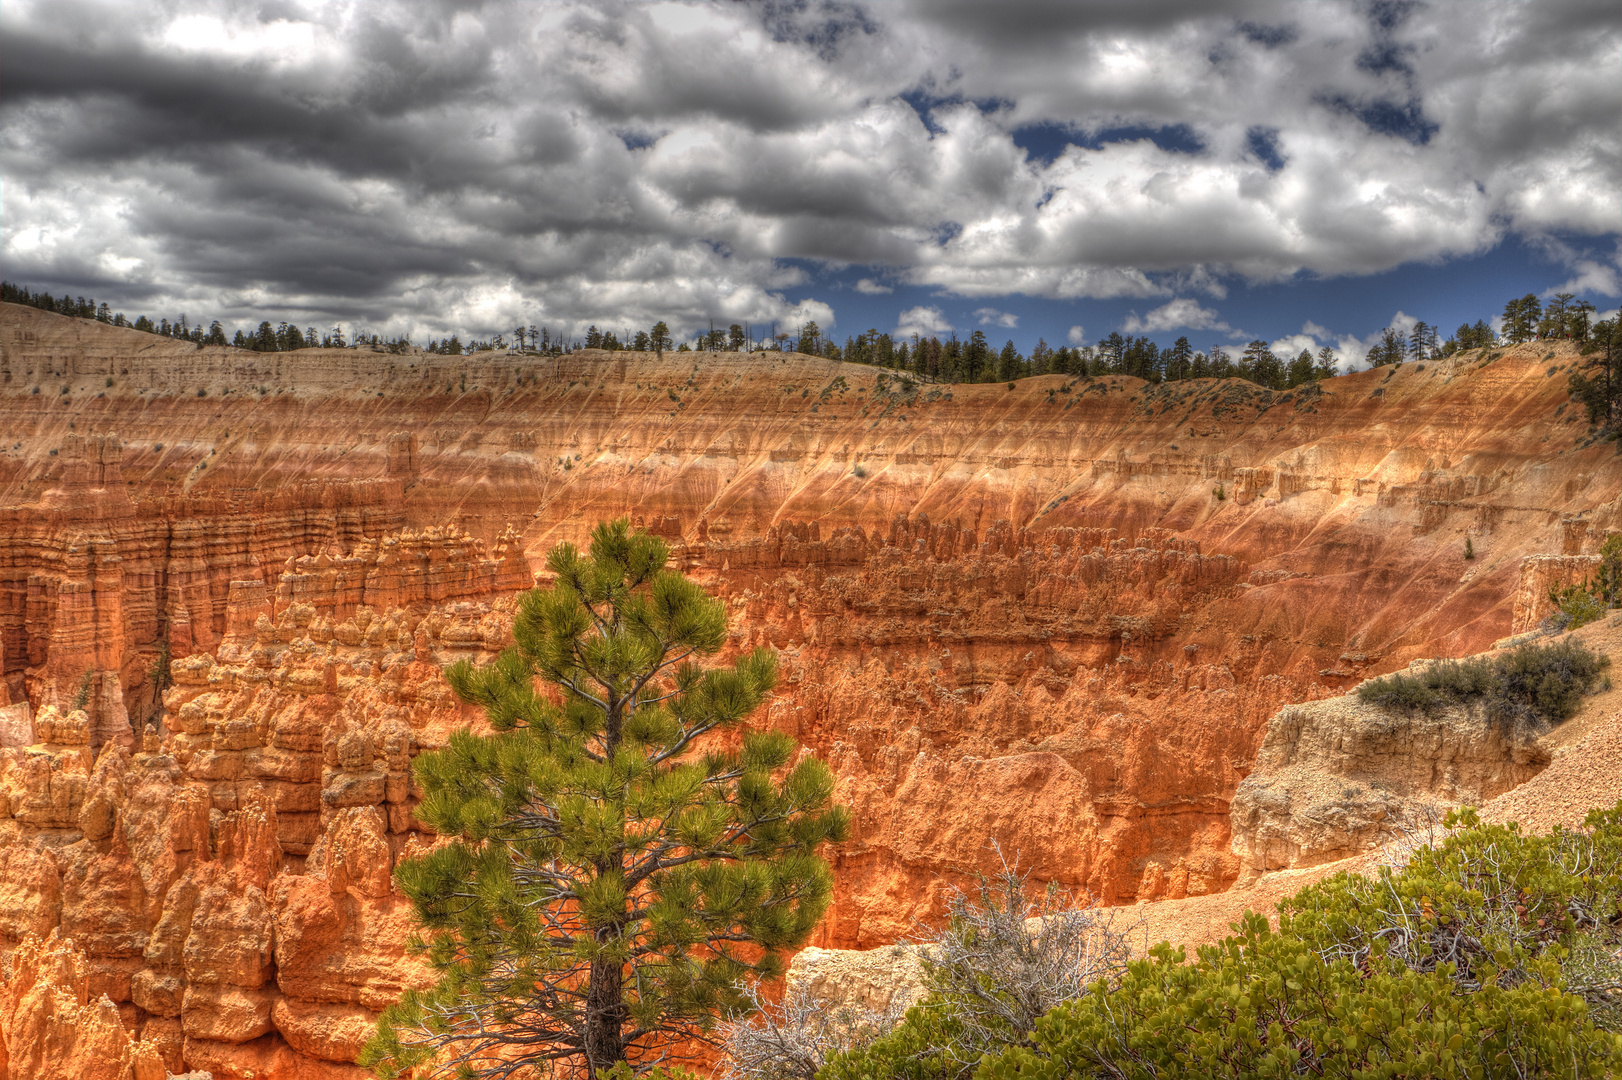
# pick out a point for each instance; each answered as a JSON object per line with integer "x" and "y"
{"x": 1007, "y": 955}
{"x": 1534, "y": 685}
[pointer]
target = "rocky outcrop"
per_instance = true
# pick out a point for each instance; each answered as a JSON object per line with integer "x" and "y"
{"x": 54, "y": 1026}
{"x": 886, "y": 980}
{"x": 1541, "y": 574}
{"x": 1339, "y": 778}
{"x": 1025, "y": 615}
{"x": 229, "y": 881}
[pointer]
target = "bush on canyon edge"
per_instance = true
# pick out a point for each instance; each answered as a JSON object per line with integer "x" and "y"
{"x": 1491, "y": 954}
{"x": 1535, "y": 684}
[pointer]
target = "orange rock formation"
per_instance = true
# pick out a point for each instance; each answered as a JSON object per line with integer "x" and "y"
{"x": 1058, "y": 616}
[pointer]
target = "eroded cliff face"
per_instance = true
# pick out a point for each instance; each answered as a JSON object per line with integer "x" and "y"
{"x": 1339, "y": 778}
{"x": 1058, "y": 616}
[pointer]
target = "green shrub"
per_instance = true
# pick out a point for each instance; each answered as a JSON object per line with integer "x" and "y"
{"x": 1545, "y": 683}
{"x": 1534, "y": 684}
{"x": 623, "y": 1071}
{"x": 915, "y": 1050}
{"x": 1401, "y": 691}
{"x": 1493, "y": 954}
{"x": 1575, "y": 606}
{"x": 1608, "y": 579}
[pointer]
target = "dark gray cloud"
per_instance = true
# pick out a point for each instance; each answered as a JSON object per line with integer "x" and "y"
{"x": 432, "y": 166}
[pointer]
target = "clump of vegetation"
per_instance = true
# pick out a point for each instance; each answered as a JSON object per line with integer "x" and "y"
{"x": 1490, "y": 954}
{"x": 991, "y": 973}
{"x": 1469, "y": 548}
{"x": 81, "y": 697}
{"x": 1534, "y": 685}
{"x": 1221, "y": 493}
{"x": 1575, "y": 607}
{"x": 1579, "y": 605}
{"x": 794, "y": 1039}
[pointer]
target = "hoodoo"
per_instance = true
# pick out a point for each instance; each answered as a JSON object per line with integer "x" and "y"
{"x": 1059, "y": 615}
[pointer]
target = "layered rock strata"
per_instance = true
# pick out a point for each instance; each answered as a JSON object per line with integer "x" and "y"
{"x": 1059, "y": 616}
{"x": 229, "y": 882}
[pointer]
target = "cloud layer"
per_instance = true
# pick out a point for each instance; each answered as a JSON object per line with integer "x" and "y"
{"x": 434, "y": 166}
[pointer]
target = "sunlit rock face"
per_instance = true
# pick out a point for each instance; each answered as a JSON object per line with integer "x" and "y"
{"x": 1058, "y": 617}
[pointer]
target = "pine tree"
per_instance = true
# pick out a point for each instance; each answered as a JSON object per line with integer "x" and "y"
{"x": 1421, "y": 341}
{"x": 1521, "y": 319}
{"x": 810, "y": 339}
{"x": 1324, "y": 368}
{"x": 1179, "y": 359}
{"x": 1553, "y": 322}
{"x": 1388, "y": 350}
{"x": 614, "y": 875}
{"x": 1597, "y": 379}
{"x": 659, "y": 338}
{"x": 1113, "y": 350}
{"x": 1301, "y": 369}
{"x": 1010, "y": 365}
{"x": 1259, "y": 364}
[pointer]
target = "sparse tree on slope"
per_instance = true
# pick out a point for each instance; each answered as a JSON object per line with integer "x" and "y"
{"x": 810, "y": 339}
{"x": 1261, "y": 365}
{"x": 1521, "y": 318}
{"x": 1325, "y": 366}
{"x": 1597, "y": 379}
{"x": 1388, "y": 350}
{"x": 1301, "y": 369}
{"x": 614, "y": 875}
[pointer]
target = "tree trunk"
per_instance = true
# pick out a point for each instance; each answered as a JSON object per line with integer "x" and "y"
{"x": 605, "y": 1017}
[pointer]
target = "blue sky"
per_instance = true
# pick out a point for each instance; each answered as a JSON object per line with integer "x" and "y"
{"x": 1443, "y": 294}
{"x": 1306, "y": 172}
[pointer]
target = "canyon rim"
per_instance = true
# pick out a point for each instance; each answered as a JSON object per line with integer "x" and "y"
{"x": 229, "y": 581}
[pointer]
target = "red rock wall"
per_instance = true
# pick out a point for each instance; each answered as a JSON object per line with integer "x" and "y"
{"x": 1017, "y": 615}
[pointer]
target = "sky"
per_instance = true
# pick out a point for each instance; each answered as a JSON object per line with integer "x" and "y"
{"x": 1305, "y": 172}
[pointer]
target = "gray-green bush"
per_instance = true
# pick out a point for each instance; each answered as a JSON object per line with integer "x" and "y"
{"x": 1534, "y": 685}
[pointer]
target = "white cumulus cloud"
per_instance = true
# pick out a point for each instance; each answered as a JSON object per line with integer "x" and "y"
{"x": 992, "y": 317}
{"x": 923, "y": 321}
{"x": 409, "y": 165}
{"x": 1179, "y": 314}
